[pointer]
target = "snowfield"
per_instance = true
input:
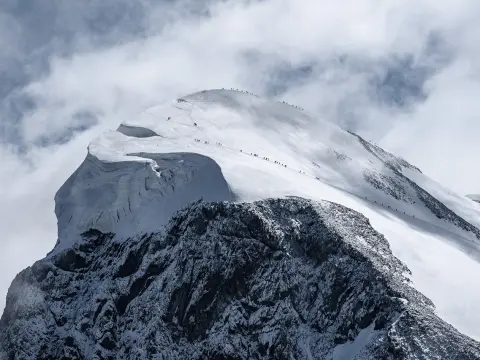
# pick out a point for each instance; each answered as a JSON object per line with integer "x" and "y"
{"x": 232, "y": 145}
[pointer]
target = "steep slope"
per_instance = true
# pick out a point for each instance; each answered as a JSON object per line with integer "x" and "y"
{"x": 474, "y": 197}
{"x": 139, "y": 192}
{"x": 276, "y": 279}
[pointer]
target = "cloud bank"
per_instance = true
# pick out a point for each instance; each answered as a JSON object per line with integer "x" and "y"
{"x": 404, "y": 75}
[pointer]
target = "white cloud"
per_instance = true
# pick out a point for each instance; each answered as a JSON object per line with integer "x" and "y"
{"x": 441, "y": 136}
{"x": 237, "y": 46}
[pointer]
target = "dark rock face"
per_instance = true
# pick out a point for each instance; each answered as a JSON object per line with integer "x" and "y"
{"x": 276, "y": 279}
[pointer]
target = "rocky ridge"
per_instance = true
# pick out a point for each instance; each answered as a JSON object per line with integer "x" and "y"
{"x": 274, "y": 279}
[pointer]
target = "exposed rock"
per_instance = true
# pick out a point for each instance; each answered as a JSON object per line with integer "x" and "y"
{"x": 276, "y": 279}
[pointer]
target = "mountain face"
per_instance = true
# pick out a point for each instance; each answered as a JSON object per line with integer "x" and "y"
{"x": 226, "y": 226}
{"x": 276, "y": 279}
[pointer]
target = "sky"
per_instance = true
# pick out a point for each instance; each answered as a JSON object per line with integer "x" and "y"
{"x": 404, "y": 75}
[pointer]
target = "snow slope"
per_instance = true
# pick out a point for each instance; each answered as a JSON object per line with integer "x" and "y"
{"x": 135, "y": 192}
{"x": 474, "y": 197}
{"x": 225, "y": 145}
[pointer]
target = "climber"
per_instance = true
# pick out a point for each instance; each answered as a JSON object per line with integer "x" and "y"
{"x": 194, "y": 124}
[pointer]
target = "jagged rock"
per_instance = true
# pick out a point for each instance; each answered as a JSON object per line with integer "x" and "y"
{"x": 276, "y": 279}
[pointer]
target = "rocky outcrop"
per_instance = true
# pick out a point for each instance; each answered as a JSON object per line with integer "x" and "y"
{"x": 276, "y": 279}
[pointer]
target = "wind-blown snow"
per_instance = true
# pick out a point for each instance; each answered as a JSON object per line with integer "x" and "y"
{"x": 474, "y": 197}
{"x": 141, "y": 191}
{"x": 225, "y": 145}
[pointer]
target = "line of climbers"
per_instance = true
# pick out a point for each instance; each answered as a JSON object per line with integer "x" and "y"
{"x": 283, "y": 101}
{"x": 244, "y": 91}
{"x": 295, "y": 106}
{"x": 388, "y": 206}
{"x": 279, "y": 163}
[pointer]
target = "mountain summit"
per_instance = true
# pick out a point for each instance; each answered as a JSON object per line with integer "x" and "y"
{"x": 178, "y": 237}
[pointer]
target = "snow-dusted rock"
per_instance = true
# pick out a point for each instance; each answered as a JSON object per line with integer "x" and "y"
{"x": 276, "y": 279}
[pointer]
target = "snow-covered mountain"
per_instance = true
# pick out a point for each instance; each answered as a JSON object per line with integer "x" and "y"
{"x": 108, "y": 282}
